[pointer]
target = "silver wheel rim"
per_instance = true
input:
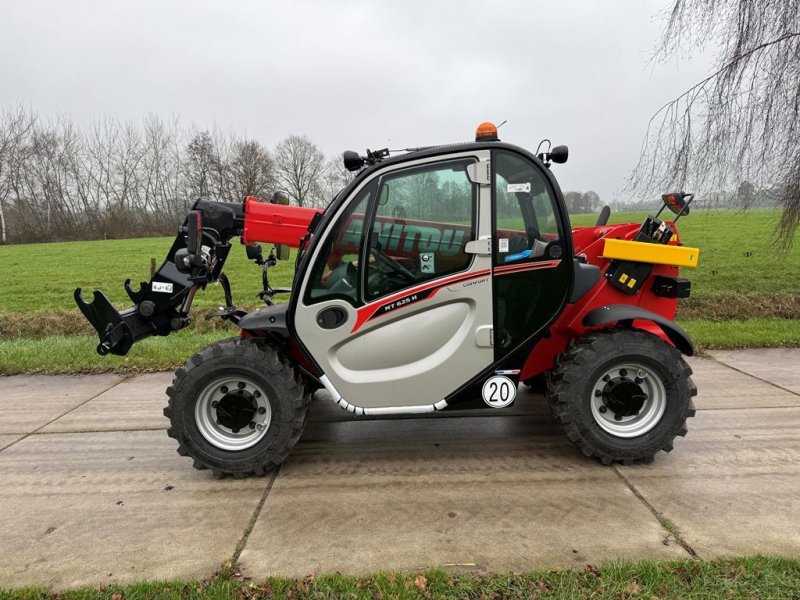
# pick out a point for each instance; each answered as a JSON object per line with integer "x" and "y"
{"x": 227, "y": 392}
{"x": 652, "y": 409}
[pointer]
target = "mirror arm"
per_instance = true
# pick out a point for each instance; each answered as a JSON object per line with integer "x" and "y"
{"x": 685, "y": 209}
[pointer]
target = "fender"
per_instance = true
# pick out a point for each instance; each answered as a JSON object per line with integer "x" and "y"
{"x": 269, "y": 324}
{"x": 622, "y": 312}
{"x": 271, "y": 319}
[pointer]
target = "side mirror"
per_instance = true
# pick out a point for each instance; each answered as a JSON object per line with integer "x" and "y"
{"x": 559, "y": 154}
{"x": 677, "y": 203}
{"x": 384, "y": 197}
{"x": 282, "y": 252}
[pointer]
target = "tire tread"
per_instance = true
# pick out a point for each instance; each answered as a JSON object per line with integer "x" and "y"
{"x": 564, "y": 383}
{"x": 280, "y": 371}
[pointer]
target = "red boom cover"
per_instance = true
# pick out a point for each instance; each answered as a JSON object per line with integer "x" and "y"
{"x": 275, "y": 223}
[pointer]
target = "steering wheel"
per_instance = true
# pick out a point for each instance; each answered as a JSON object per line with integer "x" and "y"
{"x": 392, "y": 264}
{"x": 343, "y": 279}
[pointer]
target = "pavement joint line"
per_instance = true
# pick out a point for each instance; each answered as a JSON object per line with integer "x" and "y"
{"x": 252, "y": 522}
{"x": 37, "y": 432}
{"x": 780, "y": 387}
{"x": 38, "y": 429}
{"x": 12, "y": 442}
{"x": 665, "y": 523}
{"x": 788, "y": 406}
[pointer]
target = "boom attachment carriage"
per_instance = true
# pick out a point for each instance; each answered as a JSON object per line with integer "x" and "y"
{"x": 195, "y": 260}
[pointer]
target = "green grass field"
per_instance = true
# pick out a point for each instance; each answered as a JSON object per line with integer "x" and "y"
{"x": 42, "y": 277}
{"x": 745, "y": 578}
{"x": 744, "y": 294}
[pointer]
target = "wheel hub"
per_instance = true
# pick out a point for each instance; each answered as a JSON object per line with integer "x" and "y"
{"x": 233, "y": 412}
{"x": 623, "y": 397}
{"x": 236, "y": 410}
{"x": 628, "y": 399}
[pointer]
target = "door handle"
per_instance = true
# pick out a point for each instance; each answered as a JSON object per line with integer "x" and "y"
{"x": 331, "y": 317}
{"x": 481, "y": 246}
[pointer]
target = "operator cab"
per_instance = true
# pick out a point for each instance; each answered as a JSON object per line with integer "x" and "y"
{"x": 432, "y": 269}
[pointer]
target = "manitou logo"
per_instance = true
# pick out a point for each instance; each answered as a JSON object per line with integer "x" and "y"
{"x": 411, "y": 237}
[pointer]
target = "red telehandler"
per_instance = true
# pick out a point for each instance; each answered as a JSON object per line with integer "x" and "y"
{"x": 438, "y": 279}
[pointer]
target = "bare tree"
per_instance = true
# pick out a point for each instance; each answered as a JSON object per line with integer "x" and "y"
{"x": 117, "y": 179}
{"x": 299, "y": 168}
{"x": 202, "y": 162}
{"x": 335, "y": 177}
{"x": 745, "y": 195}
{"x": 591, "y": 201}
{"x": 15, "y": 125}
{"x": 742, "y": 122}
{"x": 251, "y": 170}
{"x": 582, "y": 202}
{"x": 44, "y": 200}
{"x": 161, "y": 166}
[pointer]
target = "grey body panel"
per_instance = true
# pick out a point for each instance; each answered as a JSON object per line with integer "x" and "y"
{"x": 409, "y": 359}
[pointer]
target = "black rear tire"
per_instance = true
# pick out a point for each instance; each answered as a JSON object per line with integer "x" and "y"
{"x": 262, "y": 369}
{"x": 573, "y": 387}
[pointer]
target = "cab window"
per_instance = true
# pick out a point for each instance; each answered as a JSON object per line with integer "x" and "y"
{"x": 525, "y": 211}
{"x": 337, "y": 271}
{"x": 423, "y": 219}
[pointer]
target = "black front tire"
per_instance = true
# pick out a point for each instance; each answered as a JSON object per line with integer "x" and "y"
{"x": 573, "y": 384}
{"x": 284, "y": 390}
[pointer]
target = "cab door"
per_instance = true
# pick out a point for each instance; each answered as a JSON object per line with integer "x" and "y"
{"x": 533, "y": 267}
{"x": 397, "y": 305}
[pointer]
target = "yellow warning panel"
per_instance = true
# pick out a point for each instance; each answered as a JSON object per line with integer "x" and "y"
{"x": 657, "y": 254}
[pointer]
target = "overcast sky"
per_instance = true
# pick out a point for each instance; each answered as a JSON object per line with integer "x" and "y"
{"x": 357, "y": 74}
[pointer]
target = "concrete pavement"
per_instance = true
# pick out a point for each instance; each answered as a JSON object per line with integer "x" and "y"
{"x": 93, "y": 491}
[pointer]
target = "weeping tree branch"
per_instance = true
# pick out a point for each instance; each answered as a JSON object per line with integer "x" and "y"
{"x": 740, "y": 126}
